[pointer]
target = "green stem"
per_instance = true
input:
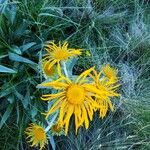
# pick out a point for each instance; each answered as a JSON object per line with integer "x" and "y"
{"x": 65, "y": 69}
{"x": 48, "y": 128}
{"x": 50, "y": 124}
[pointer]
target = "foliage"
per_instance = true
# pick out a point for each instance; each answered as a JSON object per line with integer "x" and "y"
{"x": 114, "y": 31}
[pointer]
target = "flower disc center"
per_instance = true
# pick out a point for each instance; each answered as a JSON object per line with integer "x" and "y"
{"x": 39, "y": 134}
{"x": 48, "y": 71}
{"x": 61, "y": 55}
{"x": 75, "y": 94}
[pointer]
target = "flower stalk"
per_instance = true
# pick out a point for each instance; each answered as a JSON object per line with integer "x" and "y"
{"x": 65, "y": 69}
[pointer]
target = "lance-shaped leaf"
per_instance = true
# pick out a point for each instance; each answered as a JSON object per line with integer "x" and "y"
{"x": 4, "y": 69}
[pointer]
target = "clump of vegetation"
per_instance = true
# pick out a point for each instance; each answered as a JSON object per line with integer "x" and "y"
{"x": 112, "y": 32}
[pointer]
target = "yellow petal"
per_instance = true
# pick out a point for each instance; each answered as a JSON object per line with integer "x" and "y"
{"x": 55, "y": 84}
{"x": 89, "y": 111}
{"x": 48, "y": 49}
{"x": 84, "y": 74}
{"x": 55, "y": 106}
{"x": 86, "y": 120}
{"x": 68, "y": 116}
{"x": 77, "y": 113}
{"x": 62, "y": 111}
{"x": 91, "y": 88}
{"x": 109, "y": 71}
{"x": 51, "y": 46}
{"x": 46, "y": 97}
{"x": 66, "y": 79}
{"x": 110, "y": 105}
{"x": 59, "y": 69}
{"x": 65, "y": 45}
{"x": 92, "y": 102}
{"x": 51, "y": 64}
{"x": 74, "y": 52}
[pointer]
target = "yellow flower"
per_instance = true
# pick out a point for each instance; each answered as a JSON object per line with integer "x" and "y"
{"x": 107, "y": 89}
{"x": 37, "y": 135}
{"x": 110, "y": 73}
{"x": 57, "y": 129}
{"x": 75, "y": 97}
{"x": 56, "y": 54}
{"x": 49, "y": 72}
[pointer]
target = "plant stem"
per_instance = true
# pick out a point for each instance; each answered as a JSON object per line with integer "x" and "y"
{"x": 65, "y": 69}
{"x": 48, "y": 127}
{"x": 51, "y": 122}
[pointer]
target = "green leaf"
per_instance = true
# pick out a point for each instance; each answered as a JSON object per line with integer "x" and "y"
{"x": 21, "y": 30}
{"x": 6, "y": 89}
{"x": 52, "y": 118}
{"x": 27, "y": 46}
{"x": 69, "y": 65}
{"x": 16, "y": 49}
{"x": 6, "y": 115}
{"x": 10, "y": 12}
{"x": 18, "y": 95}
{"x": 58, "y": 17}
{"x": 34, "y": 111}
{"x": 51, "y": 139}
{"x": 10, "y": 99}
{"x": 18, "y": 116}
{"x": 4, "y": 69}
{"x": 26, "y": 99}
{"x": 18, "y": 58}
{"x": 3, "y": 56}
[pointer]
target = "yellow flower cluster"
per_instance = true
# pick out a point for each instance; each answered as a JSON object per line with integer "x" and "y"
{"x": 91, "y": 91}
{"x": 37, "y": 135}
{"x": 55, "y": 55}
